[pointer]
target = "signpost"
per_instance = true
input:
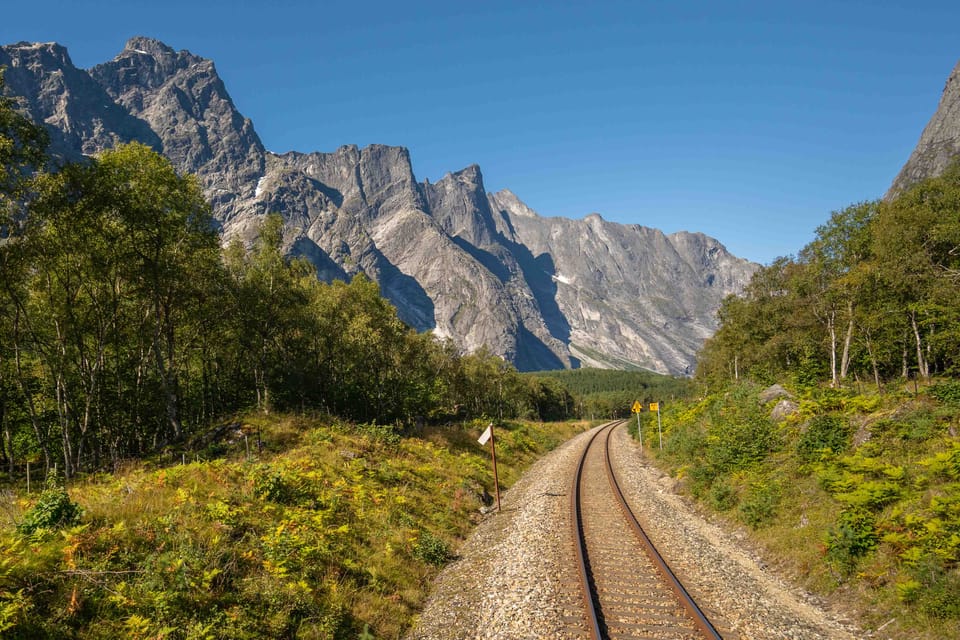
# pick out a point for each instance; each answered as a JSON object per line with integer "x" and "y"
{"x": 637, "y": 408}
{"x": 655, "y": 406}
{"x": 488, "y": 435}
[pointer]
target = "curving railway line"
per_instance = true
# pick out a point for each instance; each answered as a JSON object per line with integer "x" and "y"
{"x": 628, "y": 589}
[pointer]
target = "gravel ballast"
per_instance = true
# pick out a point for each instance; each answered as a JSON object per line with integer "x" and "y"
{"x": 513, "y": 577}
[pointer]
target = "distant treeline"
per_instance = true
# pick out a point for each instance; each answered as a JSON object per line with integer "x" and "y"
{"x": 124, "y": 327}
{"x": 608, "y": 393}
{"x": 874, "y": 297}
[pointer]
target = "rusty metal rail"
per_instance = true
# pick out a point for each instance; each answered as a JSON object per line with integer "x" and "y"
{"x": 633, "y": 581}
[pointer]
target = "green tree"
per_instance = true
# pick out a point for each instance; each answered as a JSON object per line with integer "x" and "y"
{"x": 170, "y": 249}
{"x": 917, "y": 242}
{"x": 22, "y": 153}
{"x": 270, "y": 313}
{"x": 119, "y": 255}
{"x": 833, "y": 292}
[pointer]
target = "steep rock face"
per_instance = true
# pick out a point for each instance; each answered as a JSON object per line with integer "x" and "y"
{"x": 460, "y": 205}
{"x": 80, "y": 116}
{"x": 939, "y": 143}
{"x": 185, "y": 102}
{"x": 483, "y": 270}
{"x": 629, "y": 295}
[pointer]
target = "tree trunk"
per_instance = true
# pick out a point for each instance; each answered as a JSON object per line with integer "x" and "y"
{"x": 832, "y": 328}
{"x": 845, "y": 358}
{"x": 63, "y": 409}
{"x": 165, "y": 364}
{"x": 28, "y": 397}
{"x": 873, "y": 364}
{"x": 922, "y": 366}
{"x": 904, "y": 368}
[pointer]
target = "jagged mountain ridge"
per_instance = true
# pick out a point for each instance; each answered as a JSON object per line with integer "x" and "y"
{"x": 482, "y": 269}
{"x": 939, "y": 143}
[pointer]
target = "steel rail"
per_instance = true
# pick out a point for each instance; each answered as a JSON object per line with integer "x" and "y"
{"x": 593, "y": 620}
{"x": 687, "y": 602}
{"x": 684, "y": 599}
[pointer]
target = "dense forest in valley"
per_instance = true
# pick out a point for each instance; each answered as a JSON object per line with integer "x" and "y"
{"x": 609, "y": 393}
{"x": 848, "y": 469}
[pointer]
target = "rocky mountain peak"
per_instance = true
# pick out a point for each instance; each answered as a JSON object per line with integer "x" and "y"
{"x": 79, "y": 116}
{"x": 482, "y": 269}
{"x": 149, "y": 47}
{"x": 46, "y": 54}
{"x": 506, "y": 200}
{"x": 182, "y": 99}
{"x": 146, "y": 64}
{"x": 458, "y": 201}
{"x": 939, "y": 143}
{"x": 469, "y": 175}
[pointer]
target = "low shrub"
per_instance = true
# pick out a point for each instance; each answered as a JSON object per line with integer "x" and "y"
{"x": 722, "y": 496}
{"x": 54, "y": 509}
{"x": 759, "y": 507}
{"x": 947, "y": 392}
{"x": 824, "y": 435}
{"x": 432, "y": 549}
{"x": 854, "y": 536}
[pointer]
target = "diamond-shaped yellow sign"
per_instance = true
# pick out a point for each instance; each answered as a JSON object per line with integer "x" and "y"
{"x": 637, "y": 407}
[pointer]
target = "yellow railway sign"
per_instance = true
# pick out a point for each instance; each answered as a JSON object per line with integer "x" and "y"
{"x": 637, "y": 407}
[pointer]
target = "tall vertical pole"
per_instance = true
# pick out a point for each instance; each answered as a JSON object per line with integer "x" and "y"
{"x": 639, "y": 432}
{"x": 493, "y": 454}
{"x": 659, "y": 430}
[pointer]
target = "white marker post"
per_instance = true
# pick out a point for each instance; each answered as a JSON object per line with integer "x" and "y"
{"x": 488, "y": 435}
{"x": 655, "y": 406}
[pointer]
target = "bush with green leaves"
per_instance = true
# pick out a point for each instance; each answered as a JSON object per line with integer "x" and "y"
{"x": 741, "y": 442}
{"x": 934, "y": 589}
{"x": 432, "y": 550}
{"x": 854, "y": 536}
{"x": 947, "y": 392}
{"x": 53, "y": 510}
{"x": 740, "y": 433}
{"x": 722, "y": 496}
{"x": 824, "y": 435}
{"x": 274, "y": 486}
{"x": 759, "y": 507}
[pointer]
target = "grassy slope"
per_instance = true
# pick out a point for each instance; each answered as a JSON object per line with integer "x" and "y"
{"x": 332, "y": 530}
{"x": 855, "y": 496}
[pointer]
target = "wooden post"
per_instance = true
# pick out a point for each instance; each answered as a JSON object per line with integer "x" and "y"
{"x": 493, "y": 455}
{"x": 28, "y": 476}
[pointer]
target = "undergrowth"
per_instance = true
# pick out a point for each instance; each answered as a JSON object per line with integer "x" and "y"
{"x": 333, "y": 531}
{"x": 857, "y": 495}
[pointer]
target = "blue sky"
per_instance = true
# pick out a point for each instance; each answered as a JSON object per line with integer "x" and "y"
{"x": 748, "y": 121}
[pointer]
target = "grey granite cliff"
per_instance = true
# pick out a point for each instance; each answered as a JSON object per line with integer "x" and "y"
{"x": 483, "y": 270}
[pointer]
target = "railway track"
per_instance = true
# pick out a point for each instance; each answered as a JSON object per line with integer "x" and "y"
{"x": 628, "y": 589}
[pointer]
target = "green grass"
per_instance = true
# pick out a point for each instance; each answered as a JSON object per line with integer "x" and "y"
{"x": 857, "y": 497}
{"x": 333, "y": 529}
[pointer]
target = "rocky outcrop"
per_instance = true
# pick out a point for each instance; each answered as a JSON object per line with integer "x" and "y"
{"x": 623, "y": 295}
{"x": 483, "y": 270}
{"x": 939, "y": 143}
{"x": 80, "y": 116}
{"x": 183, "y": 100}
